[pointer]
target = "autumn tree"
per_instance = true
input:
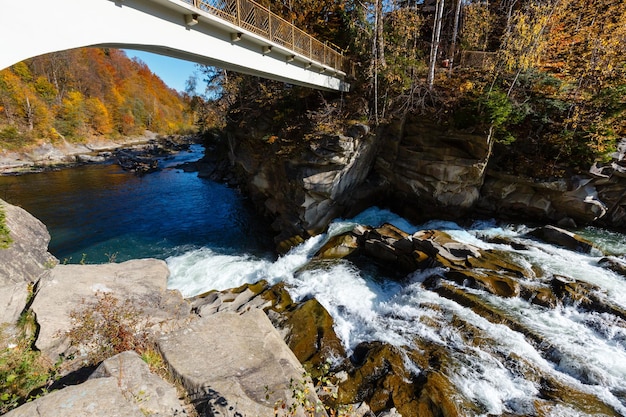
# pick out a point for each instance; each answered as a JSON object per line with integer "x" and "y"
{"x": 82, "y": 93}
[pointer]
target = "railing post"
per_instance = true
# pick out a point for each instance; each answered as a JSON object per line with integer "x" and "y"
{"x": 238, "y": 11}
{"x": 270, "y": 36}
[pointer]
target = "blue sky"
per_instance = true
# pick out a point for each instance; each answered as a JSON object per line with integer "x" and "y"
{"x": 174, "y": 72}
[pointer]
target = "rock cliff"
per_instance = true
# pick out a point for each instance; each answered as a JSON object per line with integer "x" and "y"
{"x": 420, "y": 168}
{"x": 303, "y": 186}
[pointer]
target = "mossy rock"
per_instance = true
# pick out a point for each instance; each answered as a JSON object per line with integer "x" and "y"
{"x": 489, "y": 281}
{"x": 379, "y": 377}
{"x": 311, "y": 336}
{"x": 339, "y": 247}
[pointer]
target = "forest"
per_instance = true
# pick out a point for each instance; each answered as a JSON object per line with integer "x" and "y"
{"x": 80, "y": 94}
{"x": 545, "y": 78}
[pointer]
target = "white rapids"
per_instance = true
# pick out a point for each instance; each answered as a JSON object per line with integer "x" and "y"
{"x": 587, "y": 350}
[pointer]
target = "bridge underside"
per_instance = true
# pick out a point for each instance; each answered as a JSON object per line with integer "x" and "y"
{"x": 167, "y": 27}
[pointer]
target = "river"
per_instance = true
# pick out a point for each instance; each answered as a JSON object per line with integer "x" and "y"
{"x": 212, "y": 239}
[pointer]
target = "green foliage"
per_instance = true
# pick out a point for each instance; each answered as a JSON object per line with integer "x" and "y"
{"x": 107, "y": 327}
{"x": 5, "y": 233}
{"x": 23, "y": 370}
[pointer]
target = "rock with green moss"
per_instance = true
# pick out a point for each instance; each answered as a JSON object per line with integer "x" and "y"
{"x": 23, "y": 246}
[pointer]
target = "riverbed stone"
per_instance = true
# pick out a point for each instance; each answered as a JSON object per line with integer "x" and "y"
{"x": 71, "y": 287}
{"x": 615, "y": 264}
{"x": 561, "y": 237}
{"x": 154, "y": 396}
{"x": 233, "y": 363}
{"x": 26, "y": 259}
{"x": 97, "y": 397}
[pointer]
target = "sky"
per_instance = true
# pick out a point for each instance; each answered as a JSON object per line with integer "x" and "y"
{"x": 174, "y": 72}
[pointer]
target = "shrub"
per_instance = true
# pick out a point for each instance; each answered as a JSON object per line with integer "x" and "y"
{"x": 5, "y": 235}
{"x": 107, "y": 327}
{"x": 23, "y": 370}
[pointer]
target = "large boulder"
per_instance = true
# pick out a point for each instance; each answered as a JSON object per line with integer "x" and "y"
{"x": 304, "y": 186}
{"x": 433, "y": 167}
{"x": 306, "y": 326}
{"x": 234, "y": 364}
{"x": 100, "y": 397}
{"x": 72, "y": 287}
{"x": 26, "y": 259}
{"x": 154, "y": 396}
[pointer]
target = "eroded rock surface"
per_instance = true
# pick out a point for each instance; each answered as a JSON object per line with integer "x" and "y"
{"x": 97, "y": 397}
{"x": 72, "y": 287}
{"x": 27, "y": 258}
{"x": 433, "y": 167}
{"x": 153, "y": 396}
{"x": 245, "y": 365}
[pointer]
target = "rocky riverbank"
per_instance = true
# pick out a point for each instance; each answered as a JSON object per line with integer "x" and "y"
{"x": 240, "y": 350}
{"x": 418, "y": 168}
{"x": 138, "y": 154}
{"x": 225, "y": 362}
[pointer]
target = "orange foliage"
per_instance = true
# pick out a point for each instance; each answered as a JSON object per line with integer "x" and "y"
{"x": 87, "y": 92}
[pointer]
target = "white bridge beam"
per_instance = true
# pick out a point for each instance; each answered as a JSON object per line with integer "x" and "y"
{"x": 167, "y": 27}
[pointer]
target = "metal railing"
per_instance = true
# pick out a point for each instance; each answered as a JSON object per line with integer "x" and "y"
{"x": 258, "y": 19}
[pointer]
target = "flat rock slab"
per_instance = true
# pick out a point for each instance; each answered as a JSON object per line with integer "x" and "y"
{"x": 13, "y": 299}
{"x": 154, "y": 396}
{"x": 233, "y": 364}
{"x": 95, "y": 398}
{"x": 69, "y": 286}
{"x": 27, "y": 257}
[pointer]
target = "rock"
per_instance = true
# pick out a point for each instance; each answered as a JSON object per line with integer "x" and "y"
{"x": 27, "y": 258}
{"x": 380, "y": 378}
{"x": 563, "y": 238}
{"x": 302, "y": 187}
{"x": 100, "y": 397}
{"x": 310, "y": 334}
{"x": 236, "y": 300}
{"x": 13, "y": 299}
{"x": 576, "y": 199}
{"x": 233, "y": 363}
{"x": 153, "y": 396}
{"x": 338, "y": 247}
{"x": 432, "y": 166}
{"x": 614, "y": 264}
{"x": 306, "y": 327}
{"x": 144, "y": 281}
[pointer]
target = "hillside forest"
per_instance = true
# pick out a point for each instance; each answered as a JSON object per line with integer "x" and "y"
{"x": 545, "y": 78}
{"x": 80, "y": 94}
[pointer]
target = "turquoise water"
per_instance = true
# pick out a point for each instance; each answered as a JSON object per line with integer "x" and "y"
{"x": 100, "y": 212}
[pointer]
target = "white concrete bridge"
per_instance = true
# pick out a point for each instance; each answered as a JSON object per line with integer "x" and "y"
{"x": 238, "y": 35}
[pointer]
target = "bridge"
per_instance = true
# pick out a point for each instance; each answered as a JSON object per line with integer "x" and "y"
{"x": 238, "y": 35}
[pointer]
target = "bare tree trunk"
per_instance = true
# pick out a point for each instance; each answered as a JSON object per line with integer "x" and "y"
{"x": 434, "y": 46}
{"x": 380, "y": 35}
{"x": 375, "y": 54}
{"x": 29, "y": 115}
{"x": 455, "y": 33}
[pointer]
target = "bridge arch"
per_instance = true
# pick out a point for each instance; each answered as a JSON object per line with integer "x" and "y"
{"x": 176, "y": 28}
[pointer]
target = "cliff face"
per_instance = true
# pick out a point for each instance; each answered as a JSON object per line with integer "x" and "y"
{"x": 418, "y": 168}
{"x": 303, "y": 186}
{"x": 432, "y": 168}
